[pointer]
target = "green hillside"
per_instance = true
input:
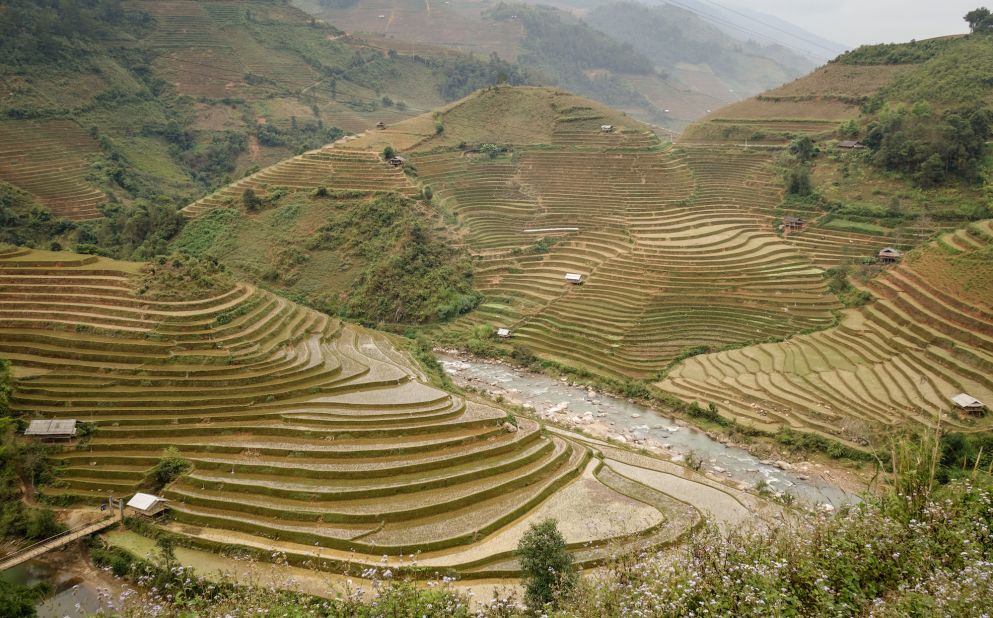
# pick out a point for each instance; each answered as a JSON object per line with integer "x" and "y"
{"x": 109, "y": 102}
{"x": 375, "y": 258}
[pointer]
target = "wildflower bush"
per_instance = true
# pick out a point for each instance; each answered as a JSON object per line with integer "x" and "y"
{"x": 876, "y": 559}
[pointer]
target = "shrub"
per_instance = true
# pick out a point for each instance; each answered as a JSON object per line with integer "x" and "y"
{"x": 389, "y": 152}
{"x": 170, "y": 466}
{"x": 250, "y": 200}
{"x": 546, "y": 566}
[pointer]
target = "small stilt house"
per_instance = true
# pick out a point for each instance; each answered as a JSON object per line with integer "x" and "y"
{"x": 397, "y": 161}
{"x": 380, "y": 125}
{"x": 574, "y": 278}
{"x": 890, "y": 255}
{"x": 606, "y": 128}
{"x": 146, "y": 504}
{"x": 969, "y": 404}
{"x": 793, "y": 224}
{"x": 52, "y": 429}
{"x": 851, "y": 145}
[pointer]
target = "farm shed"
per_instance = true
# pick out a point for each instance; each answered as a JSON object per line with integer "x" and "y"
{"x": 146, "y": 504}
{"x": 851, "y": 145}
{"x": 606, "y": 128}
{"x": 969, "y": 403}
{"x": 52, "y": 429}
{"x": 380, "y": 125}
{"x": 396, "y": 161}
{"x": 889, "y": 254}
{"x": 503, "y": 333}
{"x": 574, "y": 278}
{"x": 793, "y": 223}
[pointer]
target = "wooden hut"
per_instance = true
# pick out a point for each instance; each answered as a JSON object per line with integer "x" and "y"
{"x": 52, "y": 429}
{"x": 890, "y": 255}
{"x": 380, "y": 125}
{"x": 969, "y": 404}
{"x": 396, "y": 161}
{"x": 146, "y": 504}
{"x": 574, "y": 278}
{"x": 606, "y": 128}
{"x": 793, "y": 224}
{"x": 503, "y": 333}
{"x": 851, "y": 145}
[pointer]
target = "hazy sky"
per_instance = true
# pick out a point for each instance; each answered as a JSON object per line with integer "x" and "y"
{"x": 853, "y": 22}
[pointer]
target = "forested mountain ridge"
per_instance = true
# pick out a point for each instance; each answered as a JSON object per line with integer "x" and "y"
{"x": 679, "y": 42}
{"x": 592, "y": 49}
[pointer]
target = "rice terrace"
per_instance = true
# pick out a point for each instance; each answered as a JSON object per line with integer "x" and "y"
{"x": 335, "y": 318}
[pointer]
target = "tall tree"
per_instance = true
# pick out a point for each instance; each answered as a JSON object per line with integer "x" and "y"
{"x": 980, "y": 20}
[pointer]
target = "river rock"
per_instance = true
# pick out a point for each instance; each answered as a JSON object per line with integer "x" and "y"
{"x": 510, "y": 427}
{"x": 782, "y": 465}
{"x": 620, "y": 439}
{"x": 635, "y": 415}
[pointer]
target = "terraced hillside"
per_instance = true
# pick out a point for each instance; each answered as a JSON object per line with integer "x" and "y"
{"x": 334, "y": 167}
{"x": 176, "y": 98}
{"x": 305, "y": 434}
{"x": 813, "y": 105}
{"x": 676, "y": 244}
{"x": 48, "y": 159}
{"x": 927, "y": 338}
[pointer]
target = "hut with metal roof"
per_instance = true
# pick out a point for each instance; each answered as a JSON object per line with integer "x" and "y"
{"x": 146, "y": 504}
{"x": 969, "y": 404}
{"x": 52, "y": 429}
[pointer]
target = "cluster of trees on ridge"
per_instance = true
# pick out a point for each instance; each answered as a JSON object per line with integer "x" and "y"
{"x": 933, "y": 122}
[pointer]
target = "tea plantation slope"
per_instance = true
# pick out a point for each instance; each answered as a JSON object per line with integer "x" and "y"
{"x": 300, "y": 430}
{"x": 899, "y": 360}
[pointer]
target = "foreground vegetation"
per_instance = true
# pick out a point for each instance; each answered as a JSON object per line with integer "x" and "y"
{"x": 919, "y": 549}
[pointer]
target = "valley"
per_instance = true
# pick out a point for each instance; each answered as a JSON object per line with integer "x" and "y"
{"x": 385, "y": 295}
{"x": 308, "y": 435}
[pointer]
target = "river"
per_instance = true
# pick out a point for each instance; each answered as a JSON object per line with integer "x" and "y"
{"x": 79, "y": 588}
{"x": 601, "y": 415}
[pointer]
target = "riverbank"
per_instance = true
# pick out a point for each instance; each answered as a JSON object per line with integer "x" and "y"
{"x": 625, "y": 422}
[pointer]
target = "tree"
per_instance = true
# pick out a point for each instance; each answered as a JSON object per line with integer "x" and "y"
{"x": 170, "y": 466}
{"x": 250, "y": 200}
{"x": 980, "y": 20}
{"x": 6, "y": 387}
{"x": 803, "y": 148}
{"x": 932, "y": 172}
{"x": 389, "y": 153}
{"x": 19, "y": 601}
{"x": 546, "y": 566}
{"x": 798, "y": 182}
